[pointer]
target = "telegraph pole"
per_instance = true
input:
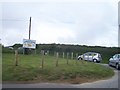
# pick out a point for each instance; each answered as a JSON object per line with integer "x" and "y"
{"x": 119, "y": 38}
{"x": 27, "y": 50}
{"x": 119, "y": 24}
{"x": 30, "y": 28}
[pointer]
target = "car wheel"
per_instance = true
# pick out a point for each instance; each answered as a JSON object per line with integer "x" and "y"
{"x": 80, "y": 58}
{"x": 98, "y": 61}
{"x": 117, "y": 67}
{"x": 94, "y": 60}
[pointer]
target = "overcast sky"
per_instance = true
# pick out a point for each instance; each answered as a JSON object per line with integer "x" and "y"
{"x": 83, "y": 22}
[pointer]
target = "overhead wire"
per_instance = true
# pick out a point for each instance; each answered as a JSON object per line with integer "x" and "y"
{"x": 13, "y": 20}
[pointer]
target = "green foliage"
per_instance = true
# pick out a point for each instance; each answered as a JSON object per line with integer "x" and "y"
{"x": 7, "y": 50}
{"x": 16, "y": 46}
{"x": 106, "y": 52}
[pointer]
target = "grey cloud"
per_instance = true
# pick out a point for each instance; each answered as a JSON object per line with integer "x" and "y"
{"x": 89, "y": 21}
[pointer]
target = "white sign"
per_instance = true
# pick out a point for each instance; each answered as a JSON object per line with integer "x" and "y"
{"x": 27, "y": 43}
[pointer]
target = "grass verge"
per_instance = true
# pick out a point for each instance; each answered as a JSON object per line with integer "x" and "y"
{"x": 29, "y": 70}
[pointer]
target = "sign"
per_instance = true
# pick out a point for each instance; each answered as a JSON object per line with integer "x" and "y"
{"x": 27, "y": 43}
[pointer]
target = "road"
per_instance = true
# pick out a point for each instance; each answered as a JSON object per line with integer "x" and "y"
{"x": 109, "y": 83}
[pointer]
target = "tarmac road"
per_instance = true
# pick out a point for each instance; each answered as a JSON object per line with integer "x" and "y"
{"x": 109, "y": 83}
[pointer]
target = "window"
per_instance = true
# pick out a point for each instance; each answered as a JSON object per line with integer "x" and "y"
{"x": 115, "y": 56}
{"x": 118, "y": 56}
{"x": 90, "y": 54}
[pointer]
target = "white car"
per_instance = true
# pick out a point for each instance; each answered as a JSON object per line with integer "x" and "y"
{"x": 91, "y": 56}
{"x": 115, "y": 61}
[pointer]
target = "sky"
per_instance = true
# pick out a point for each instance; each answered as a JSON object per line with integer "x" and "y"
{"x": 82, "y": 22}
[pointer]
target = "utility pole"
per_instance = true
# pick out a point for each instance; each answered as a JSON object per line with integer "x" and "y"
{"x": 30, "y": 28}
{"x": 119, "y": 36}
{"x": 27, "y": 50}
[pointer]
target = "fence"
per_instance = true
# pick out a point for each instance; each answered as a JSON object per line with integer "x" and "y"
{"x": 64, "y": 56}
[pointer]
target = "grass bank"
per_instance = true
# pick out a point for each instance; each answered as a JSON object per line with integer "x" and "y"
{"x": 29, "y": 70}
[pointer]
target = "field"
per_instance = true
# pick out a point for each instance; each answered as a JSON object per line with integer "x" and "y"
{"x": 29, "y": 70}
{"x": 106, "y": 52}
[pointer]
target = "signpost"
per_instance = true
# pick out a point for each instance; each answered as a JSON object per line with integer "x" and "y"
{"x": 27, "y": 43}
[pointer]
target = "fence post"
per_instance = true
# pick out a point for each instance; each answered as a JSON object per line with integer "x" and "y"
{"x": 92, "y": 57}
{"x": 35, "y": 51}
{"x": 76, "y": 55}
{"x": 63, "y": 55}
{"x": 83, "y": 59}
{"x": 72, "y": 55}
{"x": 76, "y": 58}
{"x": 88, "y": 57}
{"x": 23, "y": 51}
{"x": 42, "y": 59}
{"x": 57, "y": 55}
{"x": 16, "y": 57}
{"x": 47, "y": 52}
{"x": 67, "y": 57}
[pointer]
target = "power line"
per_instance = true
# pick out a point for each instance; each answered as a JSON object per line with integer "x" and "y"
{"x": 13, "y": 20}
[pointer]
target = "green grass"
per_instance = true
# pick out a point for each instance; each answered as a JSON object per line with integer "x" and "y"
{"x": 29, "y": 68}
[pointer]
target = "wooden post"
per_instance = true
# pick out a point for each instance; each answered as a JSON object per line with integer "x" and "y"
{"x": 16, "y": 57}
{"x": 72, "y": 55}
{"x": 35, "y": 51}
{"x": 88, "y": 57}
{"x": 47, "y": 52}
{"x": 23, "y": 51}
{"x": 92, "y": 56}
{"x": 42, "y": 59}
{"x": 67, "y": 57}
{"x": 76, "y": 55}
{"x": 83, "y": 59}
{"x": 57, "y": 55}
{"x": 63, "y": 55}
{"x": 76, "y": 58}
